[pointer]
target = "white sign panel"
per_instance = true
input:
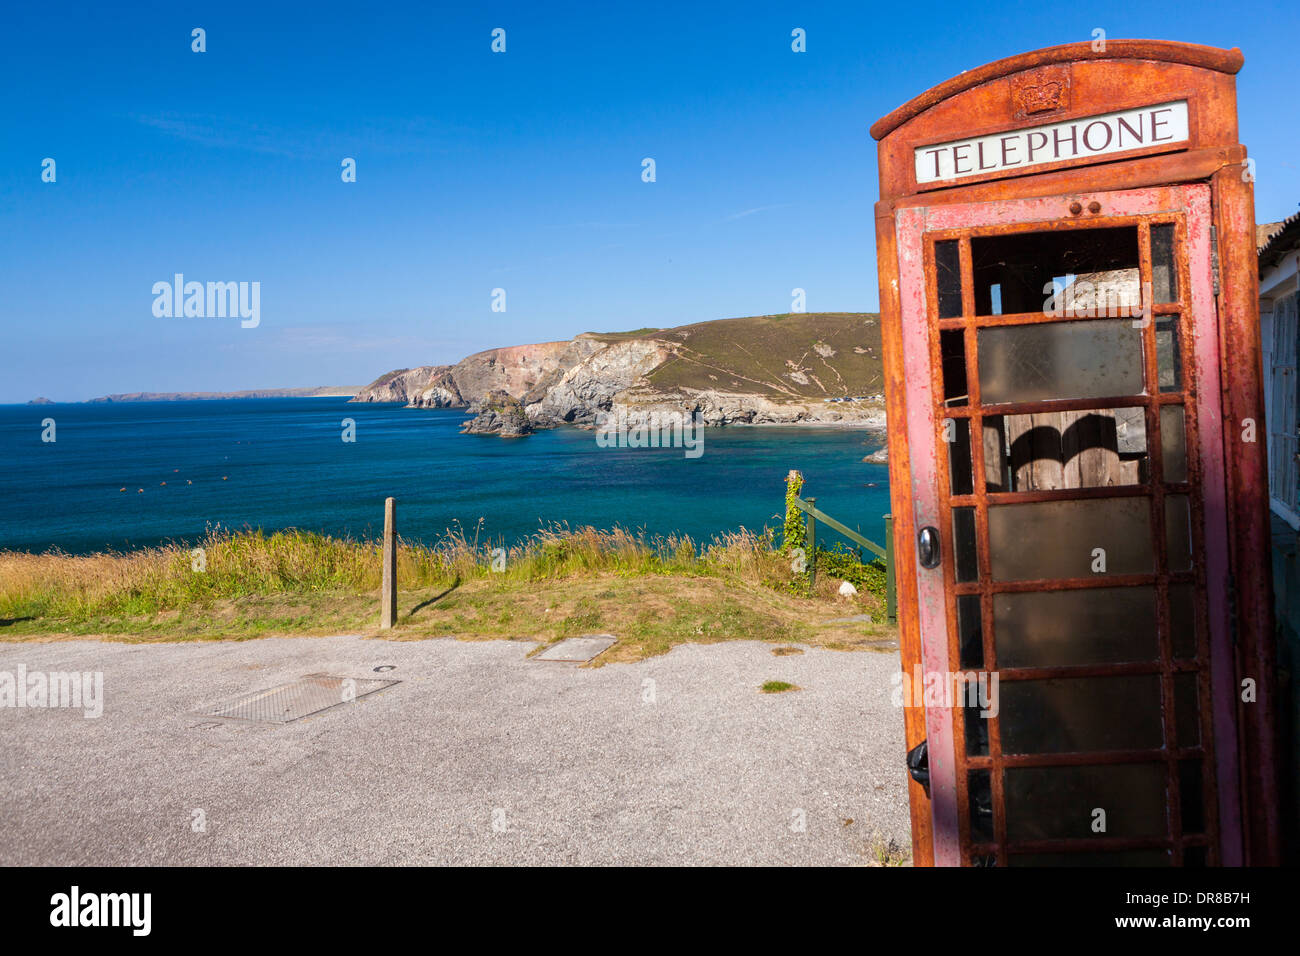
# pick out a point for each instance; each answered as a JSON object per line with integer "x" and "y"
{"x": 1073, "y": 139}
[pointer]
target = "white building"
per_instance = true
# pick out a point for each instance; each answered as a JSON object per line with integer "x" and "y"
{"x": 1279, "y": 263}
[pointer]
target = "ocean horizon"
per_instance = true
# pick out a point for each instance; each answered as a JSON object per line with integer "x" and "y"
{"x": 123, "y": 476}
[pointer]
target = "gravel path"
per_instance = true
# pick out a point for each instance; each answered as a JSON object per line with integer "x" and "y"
{"x": 478, "y": 756}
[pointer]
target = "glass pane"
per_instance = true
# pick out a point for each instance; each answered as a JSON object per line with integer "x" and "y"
{"x": 970, "y": 632}
{"x": 1187, "y": 709}
{"x": 1060, "y": 539}
{"x": 1195, "y": 856}
{"x": 963, "y": 533}
{"x": 1069, "y": 715}
{"x": 977, "y": 731}
{"x": 1090, "y": 626}
{"x": 995, "y": 454}
{"x": 1169, "y": 358}
{"x": 956, "y": 432}
{"x": 1060, "y": 360}
{"x": 1191, "y": 795}
{"x": 1094, "y": 858}
{"x": 1178, "y": 532}
{"x": 1164, "y": 271}
{"x": 1183, "y": 631}
{"x": 952, "y": 350}
{"x": 1049, "y": 803}
{"x": 1093, "y": 448}
{"x": 1086, "y": 266}
{"x": 980, "y": 795}
{"x": 947, "y": 274}
{"x": 1173, "y": 442}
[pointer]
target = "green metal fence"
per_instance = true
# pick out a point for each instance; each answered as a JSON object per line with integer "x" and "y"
{"x": 813, "y": 514}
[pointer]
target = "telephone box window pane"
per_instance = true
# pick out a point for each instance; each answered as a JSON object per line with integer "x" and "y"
{"x": 977, "y": 732}
{"x": 1164, "y": 269}
{"x": 1054, "y": 803}
{"x": 1113, "y": 858}
{"x": 1061, "y": 539}
{"x": 979, "y": 794}
{"x": 1060, "y": 360}
{"x": 1187, "y": 709}
{"x": 947, "y": 274}
{"x": 970, "y": 632}
{"x": 1169, "y": 359}
{"x": 952, "y": 351}
{"x": 1173, "y": 442}
{"x": 1071, "y": 715}
{"x": 1087, "y": 626}
{"x": 963, "y": 535}
{"x": 1092, "y": 448}
{"x": 1183, "y": 631}
{"x": 957, "y": 435}
{"x": 1101, "y": 266}
{"x": 995, "y": 455}
{"x": 1178, "y": 533}
{"x": 1191, "y": 796}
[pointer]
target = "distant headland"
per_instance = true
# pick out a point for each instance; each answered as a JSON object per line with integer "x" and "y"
{"x": 807, "y": 368}
{"x": 319, "y": 391}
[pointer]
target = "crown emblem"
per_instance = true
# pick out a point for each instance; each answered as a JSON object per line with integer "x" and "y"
{"x": 1041, "y": 91}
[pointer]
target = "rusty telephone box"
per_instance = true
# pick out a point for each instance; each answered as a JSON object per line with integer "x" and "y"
{"x": 1077, "y": 461}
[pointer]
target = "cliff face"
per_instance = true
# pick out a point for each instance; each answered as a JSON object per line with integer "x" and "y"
{"x": 591, "y": 386}
{"x": 401, "y": 385}
{"x": 813, "y": 368}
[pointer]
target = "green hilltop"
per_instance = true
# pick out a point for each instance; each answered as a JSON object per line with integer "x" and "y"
{"x": 799, "y": 355}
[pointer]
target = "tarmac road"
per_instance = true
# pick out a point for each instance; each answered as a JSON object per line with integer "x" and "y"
{"x": 477, "y": 756}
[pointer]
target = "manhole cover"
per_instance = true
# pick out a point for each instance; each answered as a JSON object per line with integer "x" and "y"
{"x": 577, "y": 649}
{"x": 289, "y": 702}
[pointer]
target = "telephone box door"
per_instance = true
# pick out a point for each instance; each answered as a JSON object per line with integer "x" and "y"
{"x": 1064, "y": 416}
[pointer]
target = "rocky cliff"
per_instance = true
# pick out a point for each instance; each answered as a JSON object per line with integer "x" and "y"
{"x": 806, "y": 368}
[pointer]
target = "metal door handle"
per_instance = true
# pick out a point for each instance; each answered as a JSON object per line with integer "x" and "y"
{"x": 918, "y": 765}
{"x": 927, "y": 546}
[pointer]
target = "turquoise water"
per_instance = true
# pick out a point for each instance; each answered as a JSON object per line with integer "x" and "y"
{"x": 284, "y": 465}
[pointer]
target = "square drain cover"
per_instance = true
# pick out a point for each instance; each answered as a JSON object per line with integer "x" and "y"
{"x": 289, "y": 702}
{"x": 578, "y": 649}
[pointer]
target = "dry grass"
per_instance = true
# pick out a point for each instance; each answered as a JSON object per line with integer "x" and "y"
{"x": 888, "y": 852}
{"x": 561, "y": 582}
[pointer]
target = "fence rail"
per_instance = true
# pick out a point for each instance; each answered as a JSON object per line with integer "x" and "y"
{"x": 814, "y": 514}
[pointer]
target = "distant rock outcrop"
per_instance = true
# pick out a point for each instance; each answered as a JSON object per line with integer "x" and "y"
{"x": 40, "y": 401}
{"x": 802, "y": 368}
{"x": 499, "y": 413}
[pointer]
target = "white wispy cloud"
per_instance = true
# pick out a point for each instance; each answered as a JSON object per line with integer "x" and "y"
{"x": 757, "y": 209}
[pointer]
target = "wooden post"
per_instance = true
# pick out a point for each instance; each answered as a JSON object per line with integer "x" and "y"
{"x": 891, "y": 597}
{"x": 812, "y": 545}
{"x": 388, "y": 598}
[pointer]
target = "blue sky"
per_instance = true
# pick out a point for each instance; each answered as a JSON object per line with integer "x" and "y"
{"x": 478, "y": 171}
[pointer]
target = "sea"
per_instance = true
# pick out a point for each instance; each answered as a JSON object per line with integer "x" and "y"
{"x": 121, "y": 476}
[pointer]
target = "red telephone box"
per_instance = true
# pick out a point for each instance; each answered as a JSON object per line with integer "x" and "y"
{"x": 1077, "y": 461}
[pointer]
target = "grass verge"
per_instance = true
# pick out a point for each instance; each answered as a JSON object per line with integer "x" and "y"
{"x": 651, "y": 593}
